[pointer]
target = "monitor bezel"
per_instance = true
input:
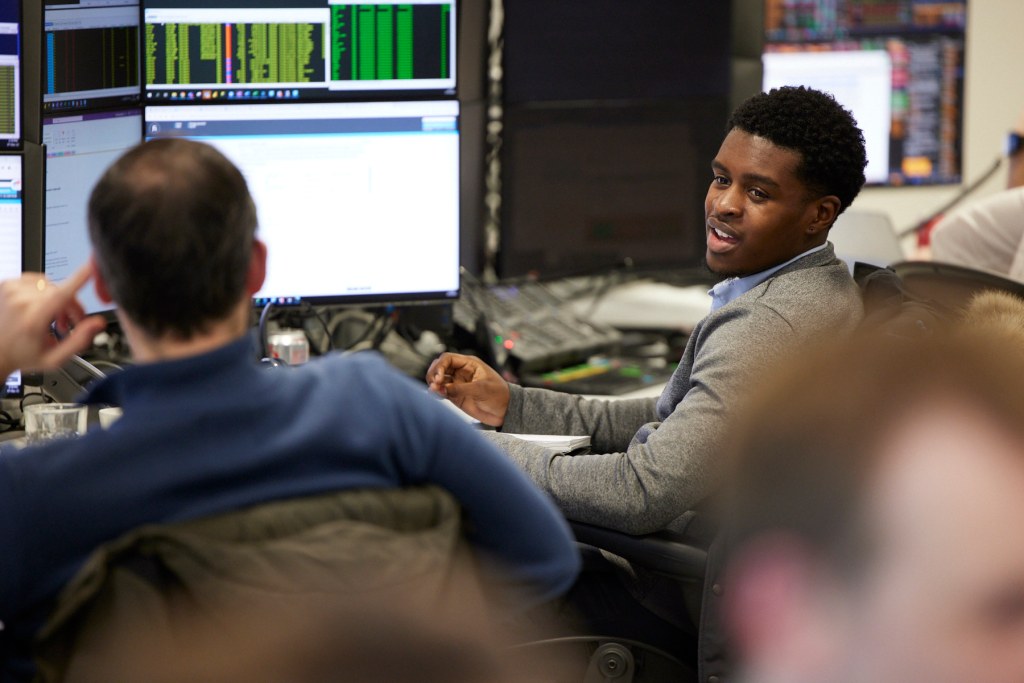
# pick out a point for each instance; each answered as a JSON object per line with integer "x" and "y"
{"x": 25, "y": 261}
{"x": 321, "y": 94}
{"x": 375, "y": 299}
{"x": 113, "y": 102}
{"x": 108, "y": 311}
{"x": 18, "y": 144}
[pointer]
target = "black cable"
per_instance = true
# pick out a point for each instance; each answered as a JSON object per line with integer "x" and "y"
{"x": 369, "y": 331}
{"x": 46, "y": 398}
{"x": 310, "y": 312}
{"x": 7, "y": 422}
{"x": 385, "y": 330}
{"x": 264, "y": 316}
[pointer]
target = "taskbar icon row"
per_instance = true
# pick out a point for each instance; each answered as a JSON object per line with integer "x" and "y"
{"x": 211, "y": 95}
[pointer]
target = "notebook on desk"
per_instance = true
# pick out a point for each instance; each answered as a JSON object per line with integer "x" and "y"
{"x": 558, "y": 442}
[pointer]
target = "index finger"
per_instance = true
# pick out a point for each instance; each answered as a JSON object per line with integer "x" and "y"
{"x": 75, "y": 281}
{"x": 65, "y": 292}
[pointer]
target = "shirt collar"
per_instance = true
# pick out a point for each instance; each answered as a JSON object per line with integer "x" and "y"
{"x": 164, "y": 376}
{"x": 730, "y": 289}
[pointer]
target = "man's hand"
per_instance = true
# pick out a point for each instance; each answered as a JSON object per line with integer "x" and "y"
{"x": 28, "y": 306}
{"x": 471, "y": 385}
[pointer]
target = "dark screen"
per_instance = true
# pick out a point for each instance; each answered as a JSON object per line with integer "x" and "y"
{"x": 587, "y": 189}
{"x": 613, "y": 50}
{"x": 613, "y": 112}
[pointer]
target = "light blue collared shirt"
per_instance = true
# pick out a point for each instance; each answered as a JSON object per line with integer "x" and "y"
{"x": 732, "y": 288}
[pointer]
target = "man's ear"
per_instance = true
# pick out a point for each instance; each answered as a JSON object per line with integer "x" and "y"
{"x": 257, "y": 268}
{"x": 826, "y": 209}
{"x": 99, "y": 283}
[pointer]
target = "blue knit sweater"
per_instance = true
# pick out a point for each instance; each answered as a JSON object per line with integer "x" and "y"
{"x": 216, "y": 432}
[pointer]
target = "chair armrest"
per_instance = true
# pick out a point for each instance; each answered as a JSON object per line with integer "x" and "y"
{"x": 664, "y": 552}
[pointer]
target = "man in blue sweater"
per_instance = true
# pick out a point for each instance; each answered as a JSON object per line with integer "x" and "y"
{"x": 206, "y": 430}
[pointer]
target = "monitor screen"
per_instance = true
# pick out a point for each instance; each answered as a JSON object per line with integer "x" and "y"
{"x": 12, "y": 385}
{"x": 587, "y": 190}
{"x": 10, "y": 74}
{"x": 11, "y": 236}
{"x": 580, "y": 50}
{"x": 260, "y": 50}
{"x": 898, "y": 66}
{"x": 91, "y": 50}
{"x": 11, "y": 217}
{"x": 78, "y": 150}
{"x": 357, "y": 201}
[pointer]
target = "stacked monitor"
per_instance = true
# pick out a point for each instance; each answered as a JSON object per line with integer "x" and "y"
{"x": 11, "y": 216}
{"x": 612, "y": 112}
{"x": 11, "y": 233}
{"x": 79, "y": 147}
{"x": 10, "y": 74}
{"x": 11, "y": 197}
{"x": 898, "y": 65}
{"x": 343, "y": 119}
{"x": 91, "y": 115}
{"x": 272, "y": 51}
{"x": 91, "y": 50}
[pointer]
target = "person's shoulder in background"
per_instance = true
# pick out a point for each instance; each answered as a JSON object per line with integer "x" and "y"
{"x": 985, "y": 234}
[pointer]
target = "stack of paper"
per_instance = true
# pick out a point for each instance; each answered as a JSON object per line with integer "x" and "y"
{"x": 558, "y": 442}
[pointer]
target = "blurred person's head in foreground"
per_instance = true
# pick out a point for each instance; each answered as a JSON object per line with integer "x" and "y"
{"x": 877, "y": 505}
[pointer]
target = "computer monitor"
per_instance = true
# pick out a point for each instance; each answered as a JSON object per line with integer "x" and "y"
{"x": 273, "y": 50}
{"x": 10, "y": 74}
{"x": 79, "y": 148}
{"x": 357, "y": 201}
{"x": 11, "y": 235}
{"x": 11, "y": 216}
{"x": 614, "y": 50}
{"x": 588, "y": 190}
{"x": 897, "y": 66}
{"x": 91, "y": 54}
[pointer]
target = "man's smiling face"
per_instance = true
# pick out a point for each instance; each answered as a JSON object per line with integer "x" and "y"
{"x": 758, "y": 212}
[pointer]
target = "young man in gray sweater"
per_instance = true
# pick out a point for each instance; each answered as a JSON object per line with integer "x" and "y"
{"x": 792, "y": 160}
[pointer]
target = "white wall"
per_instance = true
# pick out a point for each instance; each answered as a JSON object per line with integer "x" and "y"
{"x": 994, "y": 100}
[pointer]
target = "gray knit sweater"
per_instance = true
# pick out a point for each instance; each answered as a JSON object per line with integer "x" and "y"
{"x": 654, "y": 459}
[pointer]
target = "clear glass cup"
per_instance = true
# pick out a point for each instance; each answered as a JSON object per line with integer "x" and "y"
{"x": 48, "y": 421}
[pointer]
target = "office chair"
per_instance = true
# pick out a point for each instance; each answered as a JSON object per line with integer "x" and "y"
{"x": 683, "y": 558}
{"x": 256, "y": 583}
{"x": 951, "y": 285}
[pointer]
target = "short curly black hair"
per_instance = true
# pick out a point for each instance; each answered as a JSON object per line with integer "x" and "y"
{"x": 814, "y": 125}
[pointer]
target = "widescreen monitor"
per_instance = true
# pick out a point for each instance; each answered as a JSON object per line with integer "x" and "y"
{"x": 288, "y": 50}
{"x": 898, "y": 66}
{"x": 10, "y": 74}
{"x": 91, "y": 54}
{"x": 79, "y": 148}
{"x": 357, "y": 202}
{"x": 11, "y": 235}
